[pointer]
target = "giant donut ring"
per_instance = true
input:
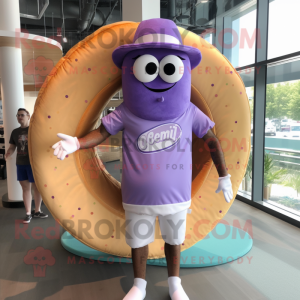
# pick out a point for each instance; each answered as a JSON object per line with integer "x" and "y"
{"x": 69, "y": 102}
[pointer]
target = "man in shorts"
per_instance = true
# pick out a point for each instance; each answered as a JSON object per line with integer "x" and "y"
{"x": 157, "y": 118}
{"x": 19, "y": 140}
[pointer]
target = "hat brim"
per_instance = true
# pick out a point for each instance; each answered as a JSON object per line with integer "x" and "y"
{"x": 119, "y": 53}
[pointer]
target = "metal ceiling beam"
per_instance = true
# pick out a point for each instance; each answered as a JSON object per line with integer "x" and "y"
{"x": 42, "y": 6}
{"x": 92, "y": 18}
{"x": 110, "y": 13}
{"x": 86, "y": 14}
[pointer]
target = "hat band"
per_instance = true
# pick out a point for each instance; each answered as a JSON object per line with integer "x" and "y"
{"x": 157, "y": 38}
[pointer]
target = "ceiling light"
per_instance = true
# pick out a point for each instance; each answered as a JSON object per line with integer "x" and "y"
{"x": 201, "y": 1}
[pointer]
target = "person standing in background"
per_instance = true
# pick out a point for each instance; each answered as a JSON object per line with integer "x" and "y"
{"x": 19, "y": 140}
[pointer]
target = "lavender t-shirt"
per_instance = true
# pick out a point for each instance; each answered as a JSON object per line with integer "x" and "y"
{"x": 157, "y": 158}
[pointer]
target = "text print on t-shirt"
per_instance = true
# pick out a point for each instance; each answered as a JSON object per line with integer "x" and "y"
{"x": 159, "y": 138}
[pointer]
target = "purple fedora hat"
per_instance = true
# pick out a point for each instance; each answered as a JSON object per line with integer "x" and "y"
{"x": 157, "y": 33}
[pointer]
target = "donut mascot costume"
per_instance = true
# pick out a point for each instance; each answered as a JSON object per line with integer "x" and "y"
{"x": 157, "y": 120}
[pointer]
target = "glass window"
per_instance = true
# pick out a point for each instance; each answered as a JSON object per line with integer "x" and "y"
{"x": 284, "y": 23}
{"x": 282, "y": 142}
{"x": 207, "y": 10}
{"x": 208, "y": 38}
{"x": 239, "y": 37}
{"x": 218, "y": 7}
{"x": 203, "y": 20}
{"x": 245, "y": 188}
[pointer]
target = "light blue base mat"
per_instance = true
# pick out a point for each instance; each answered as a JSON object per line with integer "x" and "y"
{"x": 222, "y": 245}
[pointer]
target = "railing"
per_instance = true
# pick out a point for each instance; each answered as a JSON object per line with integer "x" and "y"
{"x": 281, "y": 149}
{"x": 285, "y": 160}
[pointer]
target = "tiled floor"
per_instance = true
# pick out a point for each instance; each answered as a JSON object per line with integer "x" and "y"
{"x": 273, "y": 272}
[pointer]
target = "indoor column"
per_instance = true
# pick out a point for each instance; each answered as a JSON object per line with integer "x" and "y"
{"x": 11, "y": 74}
{"x": 139, "y": 10}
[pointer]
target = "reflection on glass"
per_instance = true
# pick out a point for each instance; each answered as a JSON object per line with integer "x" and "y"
{"x": 202, "y": 21}
{"x": 283, "y": 12}
{"x": 239, "y": 37}
{"x": 208, "y": 38}
{"x": 217, "y": 7}
{"x": 282, "y": 151}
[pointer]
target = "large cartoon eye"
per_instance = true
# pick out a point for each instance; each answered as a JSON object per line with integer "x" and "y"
{"x": 145, "y": 68}
{"x": 171, "y": 68}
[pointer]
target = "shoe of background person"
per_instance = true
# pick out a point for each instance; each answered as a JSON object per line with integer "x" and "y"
{"x": 27, "y": 219}
{"x": 33, "y": 212}
{"x": 40, "y": 214}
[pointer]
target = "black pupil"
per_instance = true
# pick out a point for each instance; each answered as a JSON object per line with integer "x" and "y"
{"x": 169, "y": 69}
{"x": 151, "y": 68}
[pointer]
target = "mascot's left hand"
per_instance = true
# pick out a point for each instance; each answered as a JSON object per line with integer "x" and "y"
{"x": 226, "y": 186}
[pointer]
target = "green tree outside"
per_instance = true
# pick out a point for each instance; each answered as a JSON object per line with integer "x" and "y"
{"x": 283, "y": 100}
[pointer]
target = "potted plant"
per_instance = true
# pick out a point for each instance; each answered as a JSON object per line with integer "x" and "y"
{"x": 270, "y": 175}
{"x": 248, "y": 174}
{"x": 293, "y": 181}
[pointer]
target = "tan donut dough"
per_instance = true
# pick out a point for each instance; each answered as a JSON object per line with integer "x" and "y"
{"x": 78, "y": 191}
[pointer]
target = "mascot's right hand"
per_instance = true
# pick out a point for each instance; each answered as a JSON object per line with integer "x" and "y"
{"x": 68, "y": 145}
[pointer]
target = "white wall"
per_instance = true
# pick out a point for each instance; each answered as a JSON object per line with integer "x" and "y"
{"x": 29, "y": 99}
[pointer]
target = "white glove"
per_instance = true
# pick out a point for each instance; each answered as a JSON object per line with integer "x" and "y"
{"x": 226, "y": 186}
{"x": 68, "y": 145}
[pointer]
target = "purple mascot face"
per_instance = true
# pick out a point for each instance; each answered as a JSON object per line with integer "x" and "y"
{"x": 156, "y": 83}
